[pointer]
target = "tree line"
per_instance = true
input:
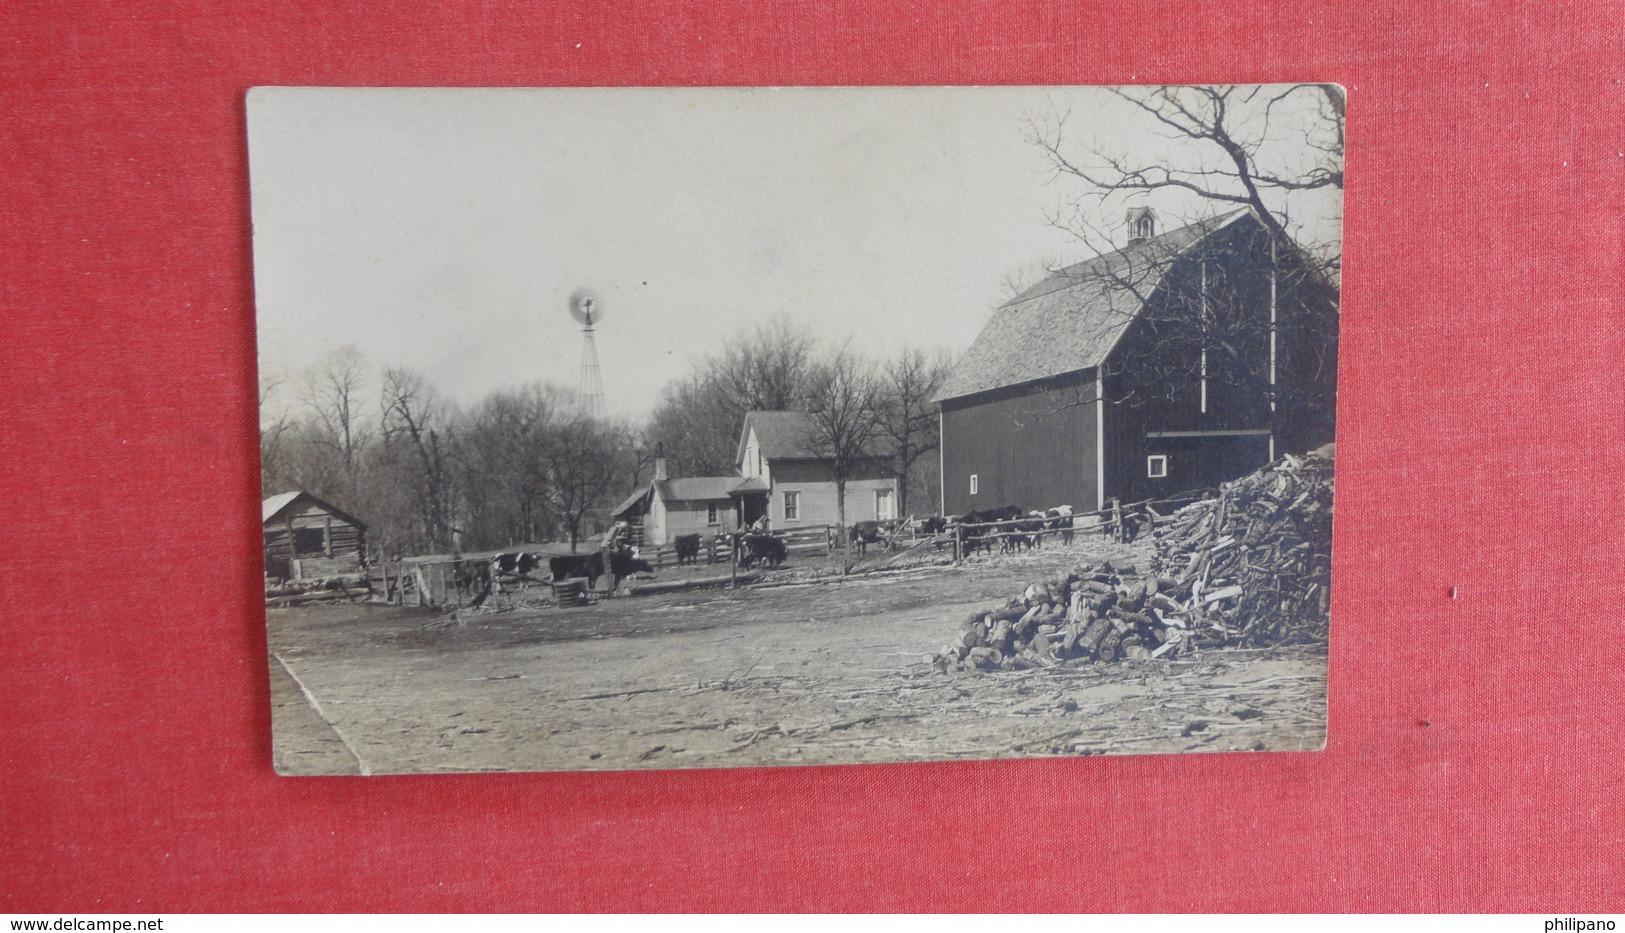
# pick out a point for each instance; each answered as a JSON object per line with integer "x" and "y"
{"x": 528, "y": 465}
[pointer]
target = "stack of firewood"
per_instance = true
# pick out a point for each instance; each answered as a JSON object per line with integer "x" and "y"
{"x": 1247, "y": 568}
{"x": 1252, "y": 567}
{"x": 1096, "y": 612}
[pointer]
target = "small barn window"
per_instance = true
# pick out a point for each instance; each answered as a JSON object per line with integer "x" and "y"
{"x": 973, "y": 484}
{"x": 711, "y": 514}
{"x": 883, "y": 506}
{"x": 792, "y": 506}
{"x": 1156, "y": 466}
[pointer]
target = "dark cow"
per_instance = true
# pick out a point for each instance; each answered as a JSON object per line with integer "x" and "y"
{"x": 864, "y": 534}
{"x": 688, "y": 549}
{"x": 591, "y": 566}
{"x": 982, "y": 537}
{"x": 473, "y": 581}
{"x": 765, "y": 549}
{"x": 935, "y": 525}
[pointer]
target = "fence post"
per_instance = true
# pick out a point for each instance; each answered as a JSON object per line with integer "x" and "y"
{"x": 1117, "y": 519}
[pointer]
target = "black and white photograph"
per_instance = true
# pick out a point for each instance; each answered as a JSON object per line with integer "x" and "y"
{"x": 643, "y": 428}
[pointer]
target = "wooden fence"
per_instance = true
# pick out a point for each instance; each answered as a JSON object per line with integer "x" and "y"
{"x": 717, "y": 549}
{"x": 1119, "y": 520}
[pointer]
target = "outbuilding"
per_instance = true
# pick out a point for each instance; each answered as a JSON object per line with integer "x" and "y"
{"x": 306, "y": 537}
{"x": 706, "y": 505}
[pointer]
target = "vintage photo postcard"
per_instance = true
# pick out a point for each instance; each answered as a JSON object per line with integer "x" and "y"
{"x": 672, "y": 428}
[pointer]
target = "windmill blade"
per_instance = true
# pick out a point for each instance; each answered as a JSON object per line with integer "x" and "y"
{"x": 586, "y": 307}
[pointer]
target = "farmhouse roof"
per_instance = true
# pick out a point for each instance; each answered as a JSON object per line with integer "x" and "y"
{"x": 782, "y": 435}
{"x": 787, "y": 435}
{"x": 274, "y": 507}
{"x": 1072, "y": 319}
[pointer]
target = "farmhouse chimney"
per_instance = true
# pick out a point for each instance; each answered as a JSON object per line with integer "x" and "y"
{"x": 1142, "y": 225}
{"x": 660, "y": 469}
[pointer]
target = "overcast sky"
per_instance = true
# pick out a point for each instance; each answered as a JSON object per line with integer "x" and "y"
{"x": 445, "y": 229}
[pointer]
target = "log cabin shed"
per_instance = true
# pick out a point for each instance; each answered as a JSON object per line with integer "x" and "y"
{"x": 1182, "y": 360}
{"x": 306, "y": 537}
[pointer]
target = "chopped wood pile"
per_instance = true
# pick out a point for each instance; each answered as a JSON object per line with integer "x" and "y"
{"x": 1249, "y": 568}
{"x": 1254, "y": 565}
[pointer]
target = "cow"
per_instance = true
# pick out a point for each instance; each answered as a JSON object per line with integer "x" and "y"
{"x": 516, "y": 563}
{"x": 864, "y": 534}
{"x": 591, "y": 566}
{"x": 473, "y": 580}
{"x": 980, "y": 537}
{"x": 688, "y": 549}
{"x": 933, "y": 526}
{"x": 1060, "y": 519}
{"x": 767, "y": 549}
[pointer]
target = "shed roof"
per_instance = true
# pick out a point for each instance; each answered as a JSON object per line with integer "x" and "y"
{"x": 692, "y": 489}
{"x": 634, "y": 499}
{"x": 696, "y": 488}
{"x": 1073, "y": 318}
{"x": 274, "y": 507}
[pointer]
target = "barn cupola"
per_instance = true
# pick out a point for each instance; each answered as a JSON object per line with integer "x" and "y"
{"x": 1142, "y": 225}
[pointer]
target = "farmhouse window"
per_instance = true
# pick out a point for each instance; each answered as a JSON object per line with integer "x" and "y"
{"x": 973, "y": 484}
{"x": 711, "y": 514}
{"x": 1156, "y": 466}
{"x": 792, "y": 506}
{"x": 883, "y": 505}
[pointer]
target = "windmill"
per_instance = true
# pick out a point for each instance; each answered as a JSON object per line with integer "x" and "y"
{"x": 588, "y": 309}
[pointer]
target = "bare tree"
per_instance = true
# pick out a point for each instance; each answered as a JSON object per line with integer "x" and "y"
{"x": 1255, "y": 147}
{"x": 275, "y": 424}
{"x": 416, "y": 422}
{"x": 844, "y": 412}
{"x": 586, "y": 464}
{"x": 332, "y": 391}
{"x": 908, "y": 414}
{"x": 766, "y": 371}
{"x": 1276, "y": 151}
{"x": 695, "y": 427}
{"x": 699, "y": 417}
{"x": 508, "y": 482}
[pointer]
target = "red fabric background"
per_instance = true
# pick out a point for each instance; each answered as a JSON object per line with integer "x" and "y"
{"x": 1479, "y": 448}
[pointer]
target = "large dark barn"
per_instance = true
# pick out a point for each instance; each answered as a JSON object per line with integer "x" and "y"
{"x": 1178, "y": 362}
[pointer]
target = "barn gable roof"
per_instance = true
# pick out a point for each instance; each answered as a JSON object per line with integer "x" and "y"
{"x": 274, "y": 507}
{"x": 1073, "y": 318}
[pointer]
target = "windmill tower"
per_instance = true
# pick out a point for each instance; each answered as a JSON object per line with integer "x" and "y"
{"x": 588, "y": 309}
